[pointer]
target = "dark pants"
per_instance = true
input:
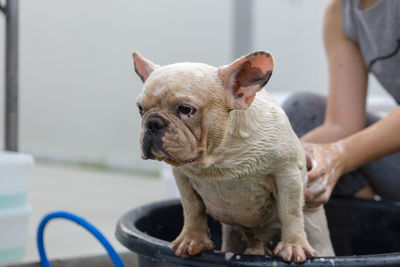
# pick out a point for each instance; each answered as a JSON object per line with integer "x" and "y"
{"x": 306, "y": 111}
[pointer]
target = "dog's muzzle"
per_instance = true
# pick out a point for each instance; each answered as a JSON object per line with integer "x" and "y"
{"x": 155, "y": 128}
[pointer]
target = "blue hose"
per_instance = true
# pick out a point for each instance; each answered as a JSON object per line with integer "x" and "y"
{"x": 82, "y": 222}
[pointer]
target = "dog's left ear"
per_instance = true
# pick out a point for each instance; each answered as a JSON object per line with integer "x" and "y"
{"x": 243, "y": 78}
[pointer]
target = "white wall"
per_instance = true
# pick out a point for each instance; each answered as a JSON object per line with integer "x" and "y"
{"x": 292, "y": 31}
{"x": 77, "y": 83}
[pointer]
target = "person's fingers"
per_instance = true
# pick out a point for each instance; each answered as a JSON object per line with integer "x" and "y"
{"x": 314, "y": 173}
{"x": 308, "y": 155}
{"x": 314, "y": 191}
{"x": 322, "y": 199}
{"x": 316, "y": 188}
{"x": 332, "y": 180}
{"x": 308, "y": 196}
{"x": 313, "y": 203}
{"x": 308, "y": 163}
{"x": 317, "y": 200}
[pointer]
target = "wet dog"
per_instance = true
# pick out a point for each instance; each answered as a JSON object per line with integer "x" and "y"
{"x": 235, "y": 157}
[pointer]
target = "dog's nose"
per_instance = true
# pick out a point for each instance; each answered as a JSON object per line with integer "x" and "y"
{"x": 155, "y": 124}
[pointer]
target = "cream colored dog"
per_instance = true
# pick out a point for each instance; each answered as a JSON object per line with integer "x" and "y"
{"x": 235, "y": 157}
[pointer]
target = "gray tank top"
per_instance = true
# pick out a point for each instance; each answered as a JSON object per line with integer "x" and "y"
{"x": 377, "y": 31}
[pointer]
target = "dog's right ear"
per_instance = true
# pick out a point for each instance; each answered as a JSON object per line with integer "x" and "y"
{"x": 143, "y": 67}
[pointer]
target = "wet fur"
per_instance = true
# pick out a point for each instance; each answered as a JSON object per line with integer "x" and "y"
{"x": 237, "y": 158}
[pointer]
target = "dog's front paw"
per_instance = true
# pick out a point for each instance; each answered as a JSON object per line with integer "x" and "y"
{"x": 191, "y": 244}
{"x": 297, "y": 252}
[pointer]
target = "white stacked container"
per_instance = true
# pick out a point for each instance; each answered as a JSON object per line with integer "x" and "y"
{"x": 14, "y": 210}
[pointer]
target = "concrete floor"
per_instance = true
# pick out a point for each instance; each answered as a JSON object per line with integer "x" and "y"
{"x": 99, "y": 196}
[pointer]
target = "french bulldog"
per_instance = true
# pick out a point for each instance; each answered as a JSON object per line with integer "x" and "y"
{"x": 234, "y": 156}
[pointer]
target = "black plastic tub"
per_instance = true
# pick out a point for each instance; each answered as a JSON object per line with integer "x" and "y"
{"x": 364, "y": 233}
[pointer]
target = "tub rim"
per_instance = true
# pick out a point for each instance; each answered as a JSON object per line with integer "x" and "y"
{"x": 145, "y": 245}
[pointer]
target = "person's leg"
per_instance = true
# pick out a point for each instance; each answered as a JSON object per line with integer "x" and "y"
{"x": 383, "y": 175}
{"x": 306, "y": 111}
{"x": 365, "y": 193}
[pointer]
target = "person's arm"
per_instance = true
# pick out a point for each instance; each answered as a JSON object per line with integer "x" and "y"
{"x": 330, "y": 161}
{"x": 380, "y": 139}
{"x": 348, "y": 77}
{"x": 345, "y": 111}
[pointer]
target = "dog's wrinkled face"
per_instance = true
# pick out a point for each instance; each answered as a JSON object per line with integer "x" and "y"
{"x": 172, "y": 103}
{"x": 185, "y": 107}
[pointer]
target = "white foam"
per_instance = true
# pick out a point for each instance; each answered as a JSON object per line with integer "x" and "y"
{"x": 228, "y": 256}
{"x": 244, "y": 134}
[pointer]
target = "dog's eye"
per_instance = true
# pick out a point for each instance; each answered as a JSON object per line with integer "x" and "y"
{"x": 186, "y": 111}
{"x": 141, "y": 110}
{"x": 183, "y": 109}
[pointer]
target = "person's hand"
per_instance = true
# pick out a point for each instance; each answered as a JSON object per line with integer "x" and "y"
{"x": 324, "y": 165}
